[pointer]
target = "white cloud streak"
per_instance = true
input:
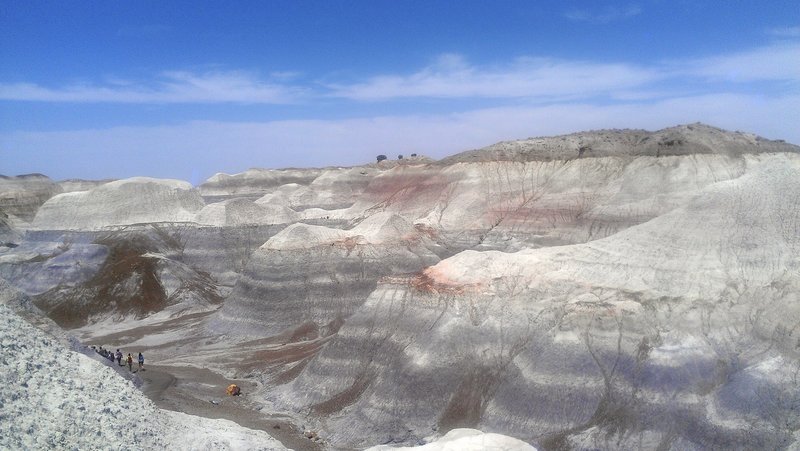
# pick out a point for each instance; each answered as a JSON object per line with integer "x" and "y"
{"x": 779, "y": 61}
{"x": 605, "y": 15}
{"x": 171, "y": 87}
{"x": 785, "y": 32}
{"x": 550, "y": 79}
{"x": 451, "y": 76}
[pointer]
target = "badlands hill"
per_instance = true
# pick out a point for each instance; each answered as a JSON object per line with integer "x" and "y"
{"x": 614, "y": 289}
{"x": 55, "y": 397}
{"x": 681, "y": 140}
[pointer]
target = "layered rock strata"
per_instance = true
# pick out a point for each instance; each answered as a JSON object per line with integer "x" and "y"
{"x": 679, "y": 332}
{"x": 329, "y": 272}
{"x": 253, "y": 183}
{"x": 125, "y": 275}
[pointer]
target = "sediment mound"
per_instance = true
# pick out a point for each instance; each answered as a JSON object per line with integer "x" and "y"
{"x": 304, "y": 236}
{"x": 72, "y": 185}
{"x": 130, "y": 201}
{"x": 129, "y": 275}
{"x": 465, "y": 440}
{"x": 326, "y": 272}
{"x": 254, "y": 183}
{"x": 21, "y": 196}
{"x": 674, "y": 141}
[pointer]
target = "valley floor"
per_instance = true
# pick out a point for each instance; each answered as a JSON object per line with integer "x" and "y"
{"x": 181, "y": 380}
{"x": 201, "y": 392}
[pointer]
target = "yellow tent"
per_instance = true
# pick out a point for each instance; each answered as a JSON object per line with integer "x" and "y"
{"x": 233, "y": 390}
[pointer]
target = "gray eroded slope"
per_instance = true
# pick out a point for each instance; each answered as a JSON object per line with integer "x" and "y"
{"x": 644, "y": 339}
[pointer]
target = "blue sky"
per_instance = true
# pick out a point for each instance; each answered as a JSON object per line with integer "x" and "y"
{"x": 187, "y": 89}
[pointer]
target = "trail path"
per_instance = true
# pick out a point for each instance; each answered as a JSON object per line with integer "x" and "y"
{"x": 201, "y": 392}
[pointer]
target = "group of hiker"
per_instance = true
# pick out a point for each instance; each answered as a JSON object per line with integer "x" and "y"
{"x": 110, "y": 355}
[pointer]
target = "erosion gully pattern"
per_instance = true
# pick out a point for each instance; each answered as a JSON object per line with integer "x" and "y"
{"x": 609, "y": 289}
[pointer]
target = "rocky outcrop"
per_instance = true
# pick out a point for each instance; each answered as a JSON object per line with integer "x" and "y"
{"x": 123, "y": 202}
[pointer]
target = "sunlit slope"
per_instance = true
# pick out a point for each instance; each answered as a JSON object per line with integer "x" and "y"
{"x": 680, "y": 331}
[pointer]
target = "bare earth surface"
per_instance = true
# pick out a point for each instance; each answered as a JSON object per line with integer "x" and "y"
{"x": 201, "y": 392}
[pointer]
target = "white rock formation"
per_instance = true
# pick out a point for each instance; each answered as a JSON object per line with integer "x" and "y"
{"x": 381, "y": 228}
{"x": 465, "y": 440}
{"x": 743, "y": 230}
{"x": 72, "y": 185}
{"x": 305, "y": 236}
{"x": 254, "y": 182}
{"x": 123, "y": 202}
{"x": 333, "y": 189}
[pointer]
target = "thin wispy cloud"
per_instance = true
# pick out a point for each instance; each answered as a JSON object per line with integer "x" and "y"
{"x": 546, "y": 79}
{"x": 785, "y": 32}
{"x": 450, "y": 76}
{"x": 776, "y": 62}
{"x": 453, "y": 77}
{"x": 605, "y": 15}
{"x": 170, "y": 87}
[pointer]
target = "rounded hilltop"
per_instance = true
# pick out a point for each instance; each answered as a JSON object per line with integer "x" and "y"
{"x": 688, "y": 139}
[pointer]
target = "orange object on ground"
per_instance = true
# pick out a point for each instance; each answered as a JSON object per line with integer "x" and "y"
{"x": 233, "y": 390}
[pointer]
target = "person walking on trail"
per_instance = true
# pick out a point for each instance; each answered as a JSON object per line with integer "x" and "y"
{"x": 141, "y": 361}
{"x": 119, "y": 358}
{"x": 130, "y": 362}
